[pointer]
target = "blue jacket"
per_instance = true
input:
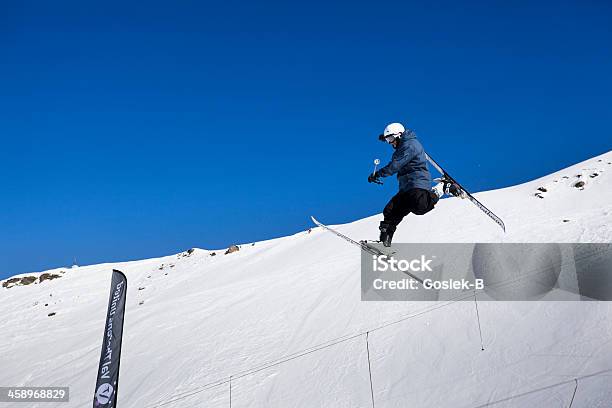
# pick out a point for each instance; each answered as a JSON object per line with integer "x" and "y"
{"x": 410, "y": 164}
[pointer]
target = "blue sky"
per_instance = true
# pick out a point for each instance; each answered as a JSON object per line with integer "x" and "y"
{"x": 133, "y": 130}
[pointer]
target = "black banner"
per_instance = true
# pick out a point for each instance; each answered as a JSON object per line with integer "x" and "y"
{"x": 105, "y": 395}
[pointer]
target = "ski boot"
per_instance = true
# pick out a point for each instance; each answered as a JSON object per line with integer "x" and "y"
{"x": 386, "y": 233}
{"x": 447, "y": 187}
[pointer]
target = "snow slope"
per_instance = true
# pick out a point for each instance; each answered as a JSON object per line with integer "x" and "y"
{"x": 284, "y": 319}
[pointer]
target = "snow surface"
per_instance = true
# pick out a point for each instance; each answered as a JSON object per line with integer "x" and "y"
{"x": 284, "y": 319}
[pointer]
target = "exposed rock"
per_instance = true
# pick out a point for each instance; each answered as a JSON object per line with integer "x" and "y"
{"x": 141, "y": 288}
{"x": 26, "y": 280}
{"x": 10, "y": 282}
{"x": 579, "y": 184}
{"x": 566, "y": 220}
{"x": 48, "y": 276}
{"x": 593, "y": 175}
{"x": 539, "y": 195}
{"x": 187, "y": 253}
{"x": 232, "y": 248}
{"x": 51, "y": 314}
{"x": 213, "y": 254}
{"x": 542, "y": 189}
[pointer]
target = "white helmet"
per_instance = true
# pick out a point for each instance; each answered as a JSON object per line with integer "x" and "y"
{"x": 394, "y": 129}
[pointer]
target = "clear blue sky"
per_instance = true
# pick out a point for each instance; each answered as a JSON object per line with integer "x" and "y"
{"x": 133, "y": 130}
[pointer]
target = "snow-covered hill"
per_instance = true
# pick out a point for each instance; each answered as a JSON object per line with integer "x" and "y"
{"x": 284, "y": 319}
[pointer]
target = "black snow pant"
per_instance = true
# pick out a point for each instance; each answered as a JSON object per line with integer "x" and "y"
{"x": 417, "y": 201}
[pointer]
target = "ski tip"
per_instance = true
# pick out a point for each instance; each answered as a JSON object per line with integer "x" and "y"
{"x": 317, "y": 222}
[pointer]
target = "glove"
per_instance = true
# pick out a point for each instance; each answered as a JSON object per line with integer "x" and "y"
{"x": 374, "y": 178}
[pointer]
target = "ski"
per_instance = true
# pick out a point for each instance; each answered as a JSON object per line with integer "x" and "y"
{"x": 361, "y": 244}
{"x": 469, "y": 196}
{"x": 365, "y": 246}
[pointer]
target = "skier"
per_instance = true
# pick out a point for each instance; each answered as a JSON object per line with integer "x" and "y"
{"x": 415, "y": 193}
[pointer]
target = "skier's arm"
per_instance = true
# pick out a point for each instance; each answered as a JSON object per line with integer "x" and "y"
{"x": 398, "y": 160}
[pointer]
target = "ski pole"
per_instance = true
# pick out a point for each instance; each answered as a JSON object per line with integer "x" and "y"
{"x": 376, "y": 163}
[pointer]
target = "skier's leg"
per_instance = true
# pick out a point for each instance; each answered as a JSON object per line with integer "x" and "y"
{"x": 395, "y": 210}
{"x": 422, "y": 201}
